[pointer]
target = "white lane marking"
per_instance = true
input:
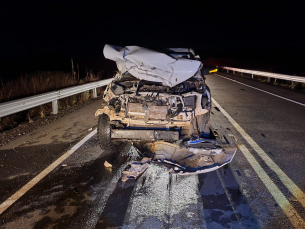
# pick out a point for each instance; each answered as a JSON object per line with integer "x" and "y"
{"x": 279, "y": 197}
{"x": 293, "y": 188}
{"x": 6, "y": 204}
{"x": 290, "y": 100}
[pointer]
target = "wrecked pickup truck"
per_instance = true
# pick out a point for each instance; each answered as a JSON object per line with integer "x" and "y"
{"x": 161, "y": 103}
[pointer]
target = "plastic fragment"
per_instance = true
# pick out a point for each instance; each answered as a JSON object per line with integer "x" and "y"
{"x": 107, "y": 164}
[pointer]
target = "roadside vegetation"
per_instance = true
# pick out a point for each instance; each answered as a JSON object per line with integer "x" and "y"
{"x": 41, "y": 82}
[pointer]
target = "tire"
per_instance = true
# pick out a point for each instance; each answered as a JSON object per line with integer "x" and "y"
{"x": 104, "y": 134}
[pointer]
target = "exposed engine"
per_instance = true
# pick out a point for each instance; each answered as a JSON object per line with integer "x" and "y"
{"x": 138, "y": 102}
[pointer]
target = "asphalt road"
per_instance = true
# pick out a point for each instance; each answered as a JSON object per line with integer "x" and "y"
{"x": 263, "y": 187}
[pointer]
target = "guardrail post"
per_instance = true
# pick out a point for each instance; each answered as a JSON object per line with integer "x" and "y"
{"x": 268, "y": 80}
{"x": 54, "y": 107}
{"x": 227, "y": 70}
{"x": 233, "y": 72}
{"x": 241, "y": 74}
{"x": 94, "y": 93}
{"x": 252, "y": 76}
{"x": 275, "y": 80}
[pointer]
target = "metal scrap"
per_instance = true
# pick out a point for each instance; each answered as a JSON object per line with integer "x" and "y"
{"x": 136, "y": 169}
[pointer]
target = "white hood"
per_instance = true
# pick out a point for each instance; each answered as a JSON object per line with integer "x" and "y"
{"x": 150, "y": 65}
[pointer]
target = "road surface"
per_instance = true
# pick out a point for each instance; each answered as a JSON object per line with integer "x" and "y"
{"x": 51, "y": 178}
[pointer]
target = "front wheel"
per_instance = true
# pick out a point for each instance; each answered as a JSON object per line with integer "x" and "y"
{"x": 104, "y": 133}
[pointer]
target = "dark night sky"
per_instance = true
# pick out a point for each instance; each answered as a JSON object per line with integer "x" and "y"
{"x": 46, "y": 35}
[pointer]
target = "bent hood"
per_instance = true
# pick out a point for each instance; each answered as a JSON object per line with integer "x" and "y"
{"x": 146, "y": 64}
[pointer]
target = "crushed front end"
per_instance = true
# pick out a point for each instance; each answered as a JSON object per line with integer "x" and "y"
{"x": 166, "y": 119}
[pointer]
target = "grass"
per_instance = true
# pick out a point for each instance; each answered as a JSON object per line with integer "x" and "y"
{"x": 37, "y": 83}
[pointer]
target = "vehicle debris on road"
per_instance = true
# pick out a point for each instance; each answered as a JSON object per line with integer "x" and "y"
{"x": 135, "y": 169}
{"x": 107, "y": 164}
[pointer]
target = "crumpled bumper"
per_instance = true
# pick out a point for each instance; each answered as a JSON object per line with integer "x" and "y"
{"x": 195, "y": 157}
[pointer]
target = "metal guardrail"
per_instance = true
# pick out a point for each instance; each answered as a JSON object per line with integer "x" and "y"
{"x": 299, "y": 79}
{"x": 18, "y": 105}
